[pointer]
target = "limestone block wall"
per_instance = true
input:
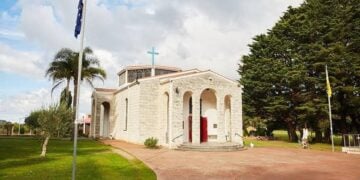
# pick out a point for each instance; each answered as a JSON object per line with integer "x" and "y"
{"x": 151, "y": 108}
{"x": 150, "y": 103}
{"x": 236, "y": 122}
{"x": 127, "y": 131}
{"x": 163, "y": 121}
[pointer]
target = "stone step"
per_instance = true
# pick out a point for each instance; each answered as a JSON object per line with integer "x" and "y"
{"x": 211, "y": 147}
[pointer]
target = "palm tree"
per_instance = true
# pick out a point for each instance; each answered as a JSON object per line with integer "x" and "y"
{"x": 64, "y": 68}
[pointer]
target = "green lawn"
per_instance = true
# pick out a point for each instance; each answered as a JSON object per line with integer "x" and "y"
{"x": 282, "y": 142}
{"x": 19, "y": 159}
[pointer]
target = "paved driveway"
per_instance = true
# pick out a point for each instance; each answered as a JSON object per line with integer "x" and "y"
{"x": 257, "y": 163}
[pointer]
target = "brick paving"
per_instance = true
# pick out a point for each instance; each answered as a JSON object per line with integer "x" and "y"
{"x": 256, "y": 163}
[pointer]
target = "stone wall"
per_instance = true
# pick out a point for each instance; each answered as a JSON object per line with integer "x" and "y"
{"x": 150, "y": 115}
{"x": 156, "y": 109}
{"x": 127, "y": 131}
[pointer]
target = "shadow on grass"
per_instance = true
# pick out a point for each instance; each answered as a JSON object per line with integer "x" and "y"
{"x": 112, "y": 166}
{"x": 18, "y": 148}
{"x": 20, "y": 159}
{"x": 23, "y": 148}
{"x": 24, "y": 162}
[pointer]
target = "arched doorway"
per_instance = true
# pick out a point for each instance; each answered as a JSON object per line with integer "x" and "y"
{"x": 208, "y": 114}
{"x": 187, "y": 116}
{"x": 227, "y": 117}
{"x": 104, "y": 119}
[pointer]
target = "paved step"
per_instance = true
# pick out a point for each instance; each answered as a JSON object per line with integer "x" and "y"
{"x": 210, "y": 147}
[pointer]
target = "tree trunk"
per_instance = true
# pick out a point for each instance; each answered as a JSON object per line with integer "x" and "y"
{"x": 43, "y": 152}
{"x": 355, "y": 123}
{"x": 327, "y": 136}
{"x": 343, "y": 129}
{"x": 318, "y": 135}
{"x": 74, "y": 110}
{"x": 75, "y": 97}
{"x": 67, "y": 84}
{"x": 292, "y": 132}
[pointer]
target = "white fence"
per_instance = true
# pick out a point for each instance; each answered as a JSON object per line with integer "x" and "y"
{"x": 351, "y": 143}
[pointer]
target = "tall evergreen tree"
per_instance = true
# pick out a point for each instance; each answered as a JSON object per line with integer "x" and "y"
{"x": 284, "y": 73}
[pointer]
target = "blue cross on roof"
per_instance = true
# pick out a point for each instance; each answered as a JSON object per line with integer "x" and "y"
{"x": 153, "y": 53}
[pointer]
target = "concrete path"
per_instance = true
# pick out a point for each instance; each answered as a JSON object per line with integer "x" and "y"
{"x": 257, "y": 163}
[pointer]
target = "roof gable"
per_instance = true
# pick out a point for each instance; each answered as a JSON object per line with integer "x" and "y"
{"x": 199, "y": 74}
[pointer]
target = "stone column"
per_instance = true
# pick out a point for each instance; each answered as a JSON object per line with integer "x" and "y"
{"x": 196, "y": 118}
{"x": 171, "y": 118}
{"x": 92, "y": 123}
{"x": 236, "y": 121}
{"x": 221, "y": 119}
{"x": 97, "y": 120}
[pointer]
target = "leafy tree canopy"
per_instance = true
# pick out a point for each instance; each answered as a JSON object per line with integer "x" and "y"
{"x": 284, "y": 73}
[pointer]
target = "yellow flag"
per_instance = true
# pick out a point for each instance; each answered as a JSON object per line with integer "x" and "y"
{"x": 328, "y": 87}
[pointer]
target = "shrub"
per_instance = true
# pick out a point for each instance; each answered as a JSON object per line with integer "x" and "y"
{"x": 151, "y": 142}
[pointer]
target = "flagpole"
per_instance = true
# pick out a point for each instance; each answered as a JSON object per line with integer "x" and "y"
{"x": 78, "y": 90}
{"x": 329, "y": 103}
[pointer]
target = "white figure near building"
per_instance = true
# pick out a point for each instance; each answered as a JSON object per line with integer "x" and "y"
{"x": 171, "y": 105}
{"x": 304, "y": 139}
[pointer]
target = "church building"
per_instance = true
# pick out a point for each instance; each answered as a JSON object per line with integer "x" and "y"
{"x": 176, "y": 107}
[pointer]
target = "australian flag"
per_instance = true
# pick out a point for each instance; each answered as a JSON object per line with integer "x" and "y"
{"x": 79, "y": 18}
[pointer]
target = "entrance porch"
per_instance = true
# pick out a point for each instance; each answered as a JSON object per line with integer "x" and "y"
{"x": 207, "y": 118}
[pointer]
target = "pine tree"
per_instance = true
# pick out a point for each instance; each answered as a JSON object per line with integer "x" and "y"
{"x": 284, "y": 73}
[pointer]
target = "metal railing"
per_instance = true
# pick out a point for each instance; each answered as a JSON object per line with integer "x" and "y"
{"x": 173, "y": 140}
{"x": 351, "y": 140}
{"x": 237, "y": 134}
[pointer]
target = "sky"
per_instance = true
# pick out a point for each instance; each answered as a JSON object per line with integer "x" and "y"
{"x": 208, "y": 34}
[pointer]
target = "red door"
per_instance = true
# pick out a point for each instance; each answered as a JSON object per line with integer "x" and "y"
{"x": 203, "y": 129}
{"x": 190, "y": 128}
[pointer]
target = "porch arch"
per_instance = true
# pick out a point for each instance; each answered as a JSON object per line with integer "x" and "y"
{"x": 187, "y": 116}
{"x": 104, "y": 119}
{"x": 208, "y": 111}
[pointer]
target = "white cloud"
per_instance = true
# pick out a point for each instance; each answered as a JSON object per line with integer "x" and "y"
{"x": 189, "y": 34}
{"x": 17, "y": 107}
{"x": 6, "y": 33}
{"x": 40, "y": 26}
{"x": 20, "y": 62}
{"x": 111, "y": 63}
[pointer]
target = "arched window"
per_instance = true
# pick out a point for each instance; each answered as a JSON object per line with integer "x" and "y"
{"x": 126, "y": 113}
{"x": 190, "y": 105}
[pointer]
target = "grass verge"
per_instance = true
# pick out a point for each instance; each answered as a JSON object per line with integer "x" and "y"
{"x": 281, "y": 141}
{"x": 19, "y": 159}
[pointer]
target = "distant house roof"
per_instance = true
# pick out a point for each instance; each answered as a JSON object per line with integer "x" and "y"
{"x": 147, "y": 67}
{"x": 105, "y": 90}
{"x": 2, "y": 121}
{"x": 87, "y": 119}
